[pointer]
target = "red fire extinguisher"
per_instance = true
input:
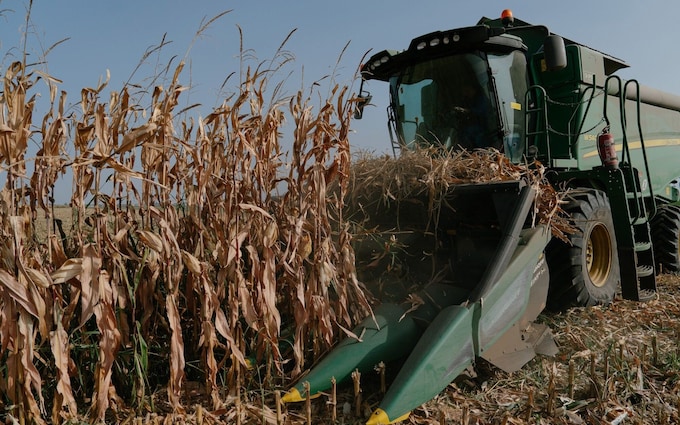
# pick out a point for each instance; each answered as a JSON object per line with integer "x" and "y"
{"x": 606, "y": 149}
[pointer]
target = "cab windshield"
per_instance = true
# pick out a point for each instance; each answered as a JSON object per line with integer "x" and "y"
{"x": 447, "y": 102}
{"x": 467, "y": 100}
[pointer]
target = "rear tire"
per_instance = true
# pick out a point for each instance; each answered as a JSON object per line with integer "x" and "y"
{"x": 666, "y": 238}
{"x": 585, "y": 272}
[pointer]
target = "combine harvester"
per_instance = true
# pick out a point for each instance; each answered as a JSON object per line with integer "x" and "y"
{"x": 533, "y": 95}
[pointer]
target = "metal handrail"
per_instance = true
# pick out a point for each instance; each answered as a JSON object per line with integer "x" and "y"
{"x": 540, "y": 98}
{"x": 642, "y": 139}
{"x": 640, "y": 206}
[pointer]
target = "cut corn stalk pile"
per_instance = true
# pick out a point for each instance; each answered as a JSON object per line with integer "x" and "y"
{"x": 434, "y": 174}
{"x": 187, "y": 288}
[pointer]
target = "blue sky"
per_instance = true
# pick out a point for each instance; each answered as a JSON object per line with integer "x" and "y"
{"x": 113, "y": 35}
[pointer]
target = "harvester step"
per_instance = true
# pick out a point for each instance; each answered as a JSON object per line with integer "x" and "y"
{"x": 639, "y": 220}
{"x": 636, "y": 195}
{"x": 642, "y": 246}
{"x": 645, "y": 270}
{"x": 646, "y": 294}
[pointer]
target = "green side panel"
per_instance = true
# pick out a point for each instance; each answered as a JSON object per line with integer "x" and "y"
{"x": 576, "y": 116}
{"x": 445, "y": 350}
{"x": 508, "y": 301}
{"x": 384, "y": 339}
{"x": 584, "y": 66}
{"x": 660, "y": 135}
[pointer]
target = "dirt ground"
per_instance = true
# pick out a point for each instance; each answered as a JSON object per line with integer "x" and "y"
{"x": 64, "y": 214}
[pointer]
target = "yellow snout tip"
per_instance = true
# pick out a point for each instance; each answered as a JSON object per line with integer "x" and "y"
{"x": 294, "y": 396}
{"x": 379, "y": 417}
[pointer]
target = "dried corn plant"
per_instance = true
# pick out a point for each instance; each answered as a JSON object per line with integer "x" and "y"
{"x": 189, "y": 244}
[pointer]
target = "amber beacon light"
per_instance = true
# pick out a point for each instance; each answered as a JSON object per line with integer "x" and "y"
{"x": 506, "y": 18}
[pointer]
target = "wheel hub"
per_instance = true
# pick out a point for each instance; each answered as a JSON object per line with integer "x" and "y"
{"x": 599, "y": 255}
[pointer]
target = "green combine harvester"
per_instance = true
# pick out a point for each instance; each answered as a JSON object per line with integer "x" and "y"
{"x": 534, "y": 96}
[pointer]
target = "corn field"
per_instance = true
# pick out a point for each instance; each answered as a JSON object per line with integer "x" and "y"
{"x": 205, "y": 266}
{"x": 198, "y": 246}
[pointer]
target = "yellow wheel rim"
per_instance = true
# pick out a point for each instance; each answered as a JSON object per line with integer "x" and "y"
{"x": 599, "y": 255}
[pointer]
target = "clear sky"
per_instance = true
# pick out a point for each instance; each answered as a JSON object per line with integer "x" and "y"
{"x": 113, "y": 35}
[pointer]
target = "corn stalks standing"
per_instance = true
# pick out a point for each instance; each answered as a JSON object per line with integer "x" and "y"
{"x": 193, "y": 240}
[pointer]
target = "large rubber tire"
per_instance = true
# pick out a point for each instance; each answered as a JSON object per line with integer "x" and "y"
{"x": 666, "y": 239}
{"x": 584, "y": 272}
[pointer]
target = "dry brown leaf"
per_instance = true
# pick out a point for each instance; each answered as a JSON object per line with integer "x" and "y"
{"x": 176, "y": 353}
{"x": 72, "y": 268}
{"x": 151, "y": 240}
{"x": 89, "y": 282}
{"x": 37, "y": 277}
{"x": 136, "y": 137}
{"x": 191, "y": 263}
{"x": 59, "y": 343}
{"x": 17, "y": 292}
{"x": 109, "y": 344}
{"x": 255, "y": 208}
{"x": 32, "y": 381}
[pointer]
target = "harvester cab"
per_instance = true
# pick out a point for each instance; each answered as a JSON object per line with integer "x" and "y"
{"x": 462, "y": 88}
{"x": 538, "y": 99}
